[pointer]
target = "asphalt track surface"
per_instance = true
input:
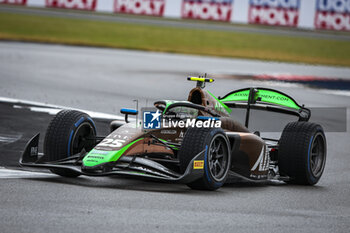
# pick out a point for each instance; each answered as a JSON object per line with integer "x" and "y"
{"x": 105, "y": 80}
{"x": 174, "y": 23}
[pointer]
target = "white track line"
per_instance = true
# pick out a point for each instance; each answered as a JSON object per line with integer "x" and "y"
{"x": 19, "y": 174}
{"x": 54, "y": 109}
{"x": 9, "y": 138}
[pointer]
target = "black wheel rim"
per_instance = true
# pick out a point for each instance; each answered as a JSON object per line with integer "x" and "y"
{"x": 83, "y": 138}
{"x": 317, "y": 155}
{"x": 218, "y": 157}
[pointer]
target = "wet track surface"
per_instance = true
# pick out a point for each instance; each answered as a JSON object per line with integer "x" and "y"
{"x": 105, "y": 80}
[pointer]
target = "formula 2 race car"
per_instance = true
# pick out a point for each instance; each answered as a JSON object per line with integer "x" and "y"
{"x": 212, "y": 150}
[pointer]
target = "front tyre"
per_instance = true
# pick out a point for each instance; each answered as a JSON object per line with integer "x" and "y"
{"x": 217, "y": 159}
{"x": 302, "y": 152}
{"x": 69, "y": 133}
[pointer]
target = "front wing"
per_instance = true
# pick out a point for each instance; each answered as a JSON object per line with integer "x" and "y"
{"x": 127, "y": 166}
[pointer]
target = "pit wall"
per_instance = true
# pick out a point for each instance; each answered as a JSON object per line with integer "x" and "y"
{"x": 307, "y": 14}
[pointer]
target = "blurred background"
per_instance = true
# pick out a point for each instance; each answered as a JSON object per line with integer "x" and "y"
{"x": 308, "y": 31}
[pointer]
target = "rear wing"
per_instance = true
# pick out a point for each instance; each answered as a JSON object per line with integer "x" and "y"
{"x": 265, "y": 99}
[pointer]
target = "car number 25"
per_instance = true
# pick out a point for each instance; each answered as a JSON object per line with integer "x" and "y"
{"x": 109, "y": 142}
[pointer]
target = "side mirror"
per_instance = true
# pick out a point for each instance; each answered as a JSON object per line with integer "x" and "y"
{"x": 127, "y": 112}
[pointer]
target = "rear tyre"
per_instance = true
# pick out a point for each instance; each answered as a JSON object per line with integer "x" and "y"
{"x": 68, "y": 133}
{"x": 302, "y": 152}
{"x": 217, "y": 158}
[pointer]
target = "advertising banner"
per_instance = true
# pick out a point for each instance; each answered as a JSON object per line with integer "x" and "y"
{"x": 219, "y": 10}
{"x": 274, "y": 12}
{"x": 89, "y": 5}
{"x": 15, "y": 2}
{"x": 307, "y": 14}
{"x": 140, "y": 7}
{"x": 333, "y": 14}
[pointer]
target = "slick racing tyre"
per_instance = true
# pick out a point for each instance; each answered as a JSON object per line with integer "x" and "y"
{"x": 302, "y": 152}
{"x": 217, "y": 159}
{"x": 69, "y": 133}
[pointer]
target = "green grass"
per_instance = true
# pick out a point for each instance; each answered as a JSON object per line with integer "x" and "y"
{"x": 176, "y": 40}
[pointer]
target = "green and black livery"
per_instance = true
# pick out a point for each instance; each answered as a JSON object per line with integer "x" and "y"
{"x": 202, "y": 158}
